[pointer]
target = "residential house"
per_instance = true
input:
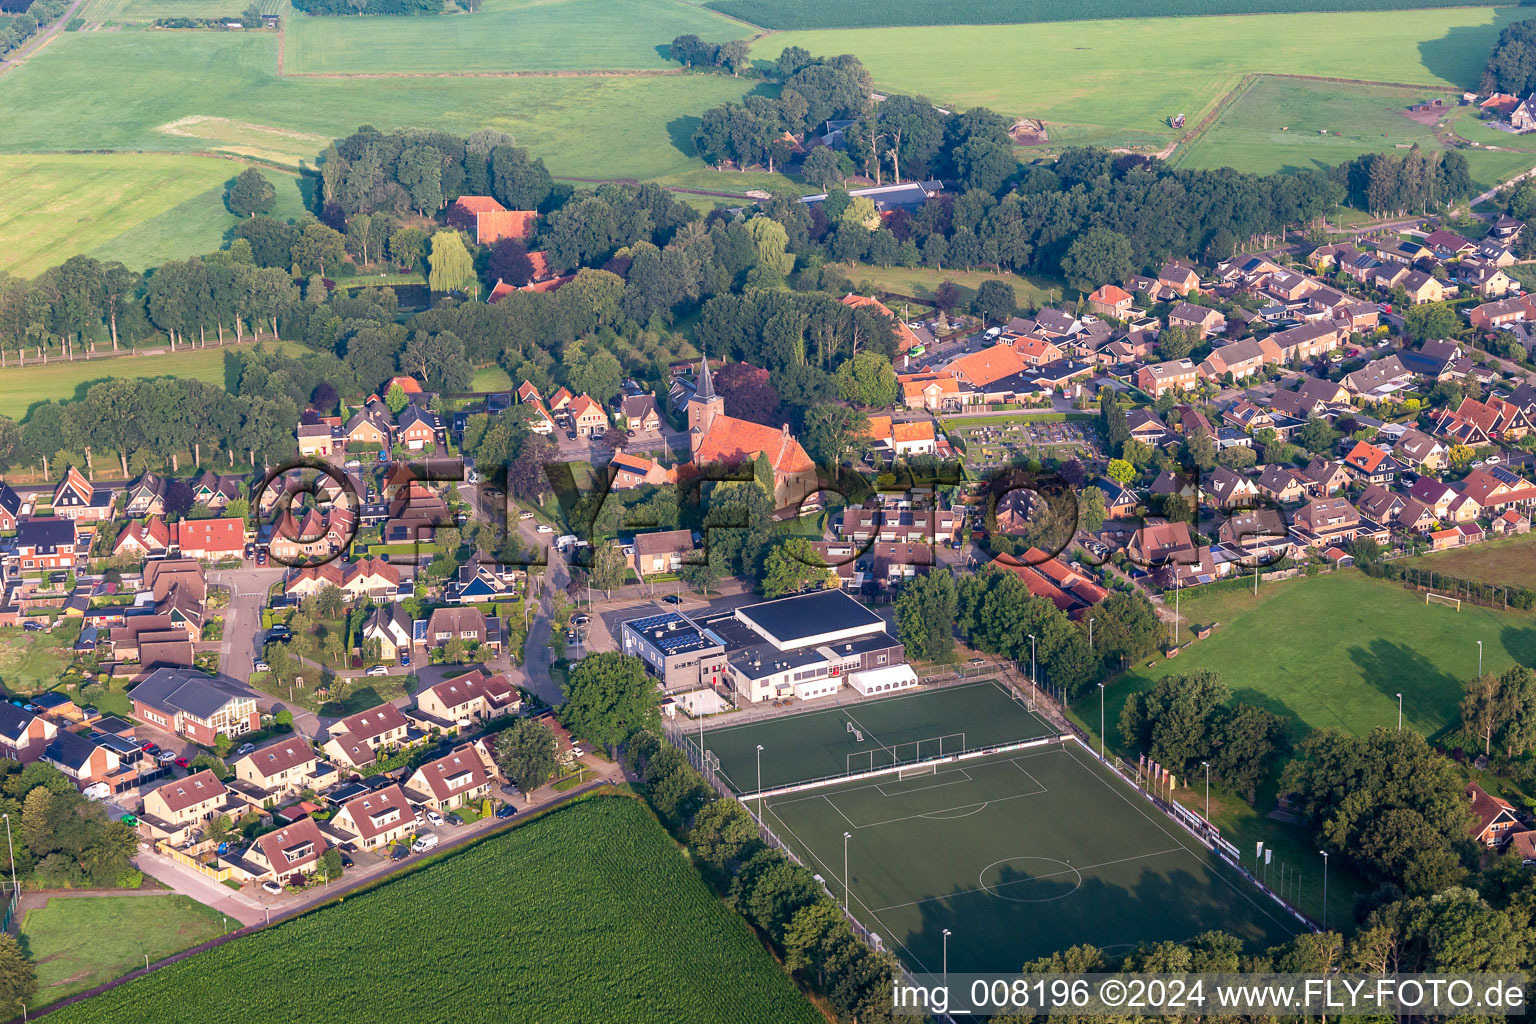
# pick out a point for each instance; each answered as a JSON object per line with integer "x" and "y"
{"x": 1120, "y": 501}
{"x": 186, "y": 702}
{"x": 1325, "y": 477}
{"x": 1419, "y": 451}
{"x": 288, "y": 854}
{"x": 1145, "y": 427}
{"x": 936, "y": 393}
{"x": 1496, "y": 489}
{"x": 148, "y": 538}
{"x": 630, "y": 471}
{"x": 12, "y": 508}
{"x": 215, "y": 492}
{"x": 46, "y": 543}
{"x": 210, "y": 539}
{"x": 1370, "y": 465}
{"x": 24, "y": 735}
{"x": 1378, "y": 378}
{"x": 660, "y": 553}
{"x": 355, "y": 740}
{"x": 1174, "y": 375}
{"x": 1245, "y": 415}
{"x": 83, "y": 761}
{"x": 1168, "y": 548}
{"x": 1434, "y": 495}
{"x": 370, "y": 426}
{"x": 1485, "y": 278}
{"x": 1325, "y": 522}
{"x": 1227, "y": 489}
{"x": 374, "y": 819}
{"x": 451, "y": 781}
{"x": 282, "y": 768}
{"x": 474, "y": 697}
{"x": 1037, "y": 351}
{"x": 638, "y": 413}
{"x": 1493, "y": 818}
{"x": 1179, "y": 276}
{"x": 1422, "y": 288}
{"x": 1381, "y": 505}
{"x": 587, "y": 416}
{"x": 1307, "y": 341}
{"x": 371, "y": 578}
{"x": 1241, "y": 359}
{"x": 174, "y": 809}
{"x": 76, "y": 498}
{"x": 464, "y": 623}
{"x": 1200, "y": 319}
{"x": 1479, "y": 423}
{"x": 418, "y": 428}
{"x": 1256, "y": 536}
{"x": 1281, "y": 484}
{"x": 1111, "y": 300}
{"x": 392, "y": 628}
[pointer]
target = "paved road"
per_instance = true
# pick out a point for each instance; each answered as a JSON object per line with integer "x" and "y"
{"x": 200, "y": 887}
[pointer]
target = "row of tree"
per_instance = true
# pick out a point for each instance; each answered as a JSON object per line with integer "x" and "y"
{"x": 1416, "y": 182}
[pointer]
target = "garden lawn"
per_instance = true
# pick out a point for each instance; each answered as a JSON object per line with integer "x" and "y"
{"x": 23, "y": 386}
{"x": 123, "y": 90}
{"x": 1276, "y": 125}
{"x": 80, "y": 942}
{"x": 798, "y": 14}
{"x": 590, "y": 913}
{"x": 505, "y": 35}
{"x": 141, "y": 209}
{"x": 1506, "y": 563}
{"x": 1120, "y": 81}
{"x": 1331, "y": 652}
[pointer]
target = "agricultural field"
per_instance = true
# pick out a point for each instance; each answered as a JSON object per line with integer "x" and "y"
{"x": 138, "y": 208}
{"x": 1277, "y": 124}
{"x": 1118, "y": 82}
{"x": 113, "y": 13}
{"x": 23, "y": 386}
{"x": 1335, "y": 651}
{"x": 1503, "y": 563}
{"x": 804, "y": 14}
{"x": 593, "y": 915}
{"x": 78, "y": 943}
{"x": 637, "y": 127}
{"x": 505, "y": 35}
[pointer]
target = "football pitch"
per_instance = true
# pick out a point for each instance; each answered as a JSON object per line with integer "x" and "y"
{"x": 913, "y": 726}
{"x": 1017, "y": 855}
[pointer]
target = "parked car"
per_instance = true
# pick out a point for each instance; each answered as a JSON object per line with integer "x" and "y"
{"x": 525, "y": 514}
{"x": 166, "y": 757}
{"x": 580, "y": 620}
{"x": 400, "y": 853}
{"x": 405, "y": 661}
{"x": 346, "y": 861}
{"x": 182, "y": 762}
{"x": 424, "y": 843}
{"x": 672, "y": 599}
{"x": 261, "y": 558}
{"x": 149, "y": 748}
{"x": 570, "y": 636}
{"x": 245, "y": 748}
{"x": 353, "y": 464}
{"x": 377, "y": 670}
{"x": 271, "y": 888}
{"x": 454, "y": 819}
{"x": 505, "y": 811}
{"x": 434, "y": 817}
{"x": 420, "y": 818}
{"x": 543, "y": 528}
{"x": 261, "y": 666}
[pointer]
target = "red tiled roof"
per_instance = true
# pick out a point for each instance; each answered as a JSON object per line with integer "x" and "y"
{"x": 988, "y": 365}
{"x": 478, "y": 204}
{"x": 732, "y": 440}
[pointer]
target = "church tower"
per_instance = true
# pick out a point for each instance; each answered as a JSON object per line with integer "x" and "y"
{"x": 703, "y": 407}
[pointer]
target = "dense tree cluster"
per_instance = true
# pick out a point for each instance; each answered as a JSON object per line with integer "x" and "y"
{"x": 1511, "y": 66}
{"x": 1387, "y": 801}
{"x": 1188, "y": 719}
{"x": 782, "y": 899}
{"x": 382, "y": 7}
{"x": 60, "y": 838}
{"x": 1501, "y": 710}
{"x": 31, "y": 17}
{"x": 1416, "y": 182}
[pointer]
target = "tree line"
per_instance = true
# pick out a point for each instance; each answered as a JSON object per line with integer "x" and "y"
{"x": 30, "y": 19}
{"x": 1416, "y": 182}
{"x": 1511, "y": 66}
{"x": 396, "y": 8}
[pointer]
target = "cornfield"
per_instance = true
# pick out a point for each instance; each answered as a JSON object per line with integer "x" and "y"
{"x": 589, "y": 914}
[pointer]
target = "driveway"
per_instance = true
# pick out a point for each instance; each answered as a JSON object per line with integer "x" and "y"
{"x": 200, "y": 887}
{"x": 241, "y": 646}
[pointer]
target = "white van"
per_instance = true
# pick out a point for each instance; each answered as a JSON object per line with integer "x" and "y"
{"x": 424, "y": 843}
{"x": 96, "y": 791}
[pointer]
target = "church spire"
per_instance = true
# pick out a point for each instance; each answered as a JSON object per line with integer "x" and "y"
{"x": 706, "y": 384}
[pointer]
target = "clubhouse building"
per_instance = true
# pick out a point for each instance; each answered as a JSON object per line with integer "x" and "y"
{"x": 803, "y": 647}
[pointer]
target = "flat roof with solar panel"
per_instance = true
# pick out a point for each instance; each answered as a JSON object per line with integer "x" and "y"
{"x": 672, "y": 633}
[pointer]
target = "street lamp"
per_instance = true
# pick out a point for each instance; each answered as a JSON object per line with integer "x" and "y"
{"x": 1325, "y": 888}
{"x": 759, "y": 778}
{"x": 1399, "y": 712}
{"x": 1479, "y": 659}
{"x": 847, "y": 882}
{"x": 1090, "y": 636}
{"x": 1032, "y": 685}
{"x": 1207, "y": 766}
{"x": 12, "y": 848}
{"x": 1101, "y": 721}
{"x": 947, "y": 934}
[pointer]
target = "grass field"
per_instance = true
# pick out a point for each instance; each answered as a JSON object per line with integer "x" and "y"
{"x": 1331, "y": 652}
{"x": 801, "y": 14}
{"x": 1505, "y": 563}
{"x": 490, "y": 378}
{"x": 505, "y": 35}
{"x": 588, "y": 914}
{"x": 1019, "y": 855}
{"x": 920, "y": 282}
{"x": 141, "y": 209}
{"x": 31, "y": 662}
{"x": 592, "y": 127}
{"x": 817, "y": 744}
{"x": 23, "y": 386}
{"x": 1117, "y": 82}
{"x": 1275, "y": 125}
{"x": 78, "y": 943}
{"x": 121, "y": 12}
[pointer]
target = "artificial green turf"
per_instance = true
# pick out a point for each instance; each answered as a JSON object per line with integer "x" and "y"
{"x": 116, "y": 90}
{"x": 80, "y": 942}
{"x": 588, "y": 914}
{"x": 1019, "y": 855}
{"x": 1331, "y": 652}
{"x": 816, "y": 744}
{"x": 1108, "y": 78}
{"x": 505, "y": 35}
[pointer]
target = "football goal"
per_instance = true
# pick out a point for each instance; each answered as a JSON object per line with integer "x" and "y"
{"x": 1432, "y": 598}
{"x": 931, "y": 768}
